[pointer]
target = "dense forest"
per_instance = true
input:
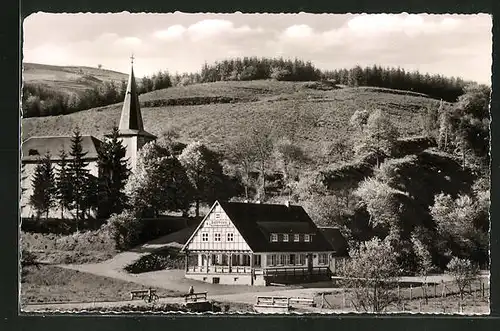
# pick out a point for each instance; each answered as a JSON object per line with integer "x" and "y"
{"x": 43, "y": 100}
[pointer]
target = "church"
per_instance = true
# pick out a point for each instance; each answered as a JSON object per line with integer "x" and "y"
{"x": 132, "y": 135}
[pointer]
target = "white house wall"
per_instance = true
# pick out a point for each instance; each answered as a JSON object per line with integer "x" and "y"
{"x": 217, "y": 222}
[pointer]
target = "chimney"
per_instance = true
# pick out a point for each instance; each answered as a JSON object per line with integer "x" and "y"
{"x": 287, "y": 203}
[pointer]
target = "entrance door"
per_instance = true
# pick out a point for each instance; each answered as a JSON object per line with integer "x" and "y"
{"x": 309, "y": 263}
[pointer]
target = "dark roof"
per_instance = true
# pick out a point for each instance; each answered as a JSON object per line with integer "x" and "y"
{"x": 35, "y": 148}
{"x": 255, "y": 222}
{"x": 336, "y": 239}
{"x": 131, "y": 117}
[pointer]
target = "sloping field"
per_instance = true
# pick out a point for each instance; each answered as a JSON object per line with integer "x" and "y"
{"x": 312, "y": 117}
{"x": 70, "y": 78}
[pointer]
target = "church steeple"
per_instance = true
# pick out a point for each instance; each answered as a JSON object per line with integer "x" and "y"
{"x": 131, "y": 129}
{"x": 131, "y": 118}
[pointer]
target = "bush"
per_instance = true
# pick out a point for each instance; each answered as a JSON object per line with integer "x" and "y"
{"x": 126, "y": 230}
{"x": 165, "y": 259}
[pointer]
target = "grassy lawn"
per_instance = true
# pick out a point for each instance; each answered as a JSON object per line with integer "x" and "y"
{"x": 45, "y": 284}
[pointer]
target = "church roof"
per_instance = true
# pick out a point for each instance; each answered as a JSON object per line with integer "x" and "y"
{"x": 131, "y": 118}
{"x": 256, "y": 222}
{"x": 35, "y": 148}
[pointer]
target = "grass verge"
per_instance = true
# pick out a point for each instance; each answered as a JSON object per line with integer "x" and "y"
{"x": 46, "y": 284}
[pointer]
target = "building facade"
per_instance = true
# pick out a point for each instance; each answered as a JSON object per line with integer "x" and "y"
{"x": 131, "y": 133}
{"x": 258, "y": 244}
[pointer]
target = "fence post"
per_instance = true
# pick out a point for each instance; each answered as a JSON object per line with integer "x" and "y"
{"x": 403, "y": 306}
{"x": 399, "y": 292}
{"x": 322, "y": 300}
{"x": 443, "y": 293}
{"x": 343, "y": 299}
{"x": 435, "y": 290}
{"x": 410, "y": 292}
{"x": 482, "y": 288}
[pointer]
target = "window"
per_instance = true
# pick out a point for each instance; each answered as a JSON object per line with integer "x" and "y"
{"x": 302, "y": 259}
{"x": 217, "y": 215}
{"x": 230, "y": 237}
{"x": 216, "y": 236}
{"x": 307, "y": 238}
{"x": 283, "y": 259}
{"x": 292, "y": 259}
{"x": 296, "y": 237}
{"x": 271, "y": 259}
{"x": 274, "y": 237}
{"x": 322, "y": 258}
{"x": 285, "y": 237}
{"x": 204, "y": 237}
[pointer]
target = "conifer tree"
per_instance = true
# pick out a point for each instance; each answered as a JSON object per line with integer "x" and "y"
{"x": 43, "y": 197}
{"x": 64, "y": 186}
{"x": 114, "y": 173}
{"x": 79, "y": 173}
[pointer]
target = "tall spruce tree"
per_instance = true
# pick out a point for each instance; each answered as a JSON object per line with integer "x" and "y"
{"x": 114, "y": 173}
{"x": 43, "y": 197}
{"x": 64, "y": 185}
{"x": 79, "y": 173}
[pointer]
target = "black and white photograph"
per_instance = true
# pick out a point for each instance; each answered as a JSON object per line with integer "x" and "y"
{"x": 238, "y": 163}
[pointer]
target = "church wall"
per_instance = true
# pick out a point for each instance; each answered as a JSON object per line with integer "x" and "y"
{"x": 27, "y": 172}
{"x": 130, "y": 144}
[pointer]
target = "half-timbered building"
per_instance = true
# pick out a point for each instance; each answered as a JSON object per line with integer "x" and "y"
{"x": 258, "y": 244}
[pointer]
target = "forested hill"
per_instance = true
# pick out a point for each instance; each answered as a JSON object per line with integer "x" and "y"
{"x": 51, "y": 90}
{"x": 375, "y": 162}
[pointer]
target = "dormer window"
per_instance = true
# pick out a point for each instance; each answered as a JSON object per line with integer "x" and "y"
{"x": 274, "y": 237}
{"x": 307, "y": 238}
{"x": 296, "y": 237}
{"x": 285, "y": 237}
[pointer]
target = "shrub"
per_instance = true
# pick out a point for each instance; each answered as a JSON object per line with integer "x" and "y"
{"x": 165, "y": 259}
{"x": 126, "y": 230}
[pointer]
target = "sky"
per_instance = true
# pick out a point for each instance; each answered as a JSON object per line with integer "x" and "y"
{"x": 451, "y": 45}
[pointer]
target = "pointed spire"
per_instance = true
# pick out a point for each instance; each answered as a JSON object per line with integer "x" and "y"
{"x": 131, "y": 118}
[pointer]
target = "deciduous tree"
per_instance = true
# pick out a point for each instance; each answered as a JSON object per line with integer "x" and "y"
{"x": 204, "y": 172}
{"x": 159, "y": 182}
{"x": 379, "y": 136}
{"x": 463, "y": 273}
{"x": 372, "y": 273}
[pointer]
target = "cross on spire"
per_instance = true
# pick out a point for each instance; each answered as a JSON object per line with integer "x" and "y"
{"x": 132, "y": 58}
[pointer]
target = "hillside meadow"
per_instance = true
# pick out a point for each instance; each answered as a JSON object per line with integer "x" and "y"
{"x": 69, "y": 79}
{"x": 312, "y": 115}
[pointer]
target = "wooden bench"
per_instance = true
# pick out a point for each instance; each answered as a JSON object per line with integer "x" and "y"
{"x": 302, "y": 301}
{"x": 195, "y": 297}
{"x": 284, "y": 301}
{"x": 147, "y": 295}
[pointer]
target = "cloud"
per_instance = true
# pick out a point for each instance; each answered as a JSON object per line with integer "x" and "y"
{"x": 437, "y": 43}
{"x": 174, "y": 32}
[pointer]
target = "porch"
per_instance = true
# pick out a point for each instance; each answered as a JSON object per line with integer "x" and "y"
{"x": 223, "y": 262}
